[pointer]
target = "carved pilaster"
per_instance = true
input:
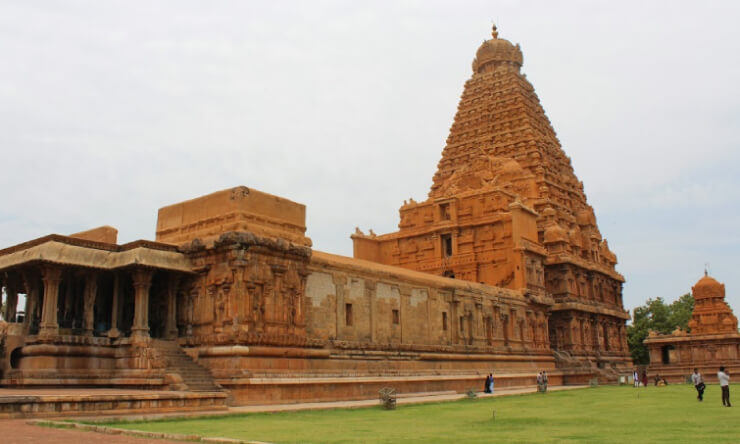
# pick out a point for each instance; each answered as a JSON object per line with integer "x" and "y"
{"x": 370, "y": 287}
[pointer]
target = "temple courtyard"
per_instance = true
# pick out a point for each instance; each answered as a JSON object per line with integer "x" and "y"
{"x": 607, "y": 414}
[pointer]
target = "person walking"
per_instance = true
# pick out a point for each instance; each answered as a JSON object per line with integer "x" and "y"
{"x": 491, "y": 384}
{"x": 487, "y": 384}
{"x": 644, "y": 378}
{"x": 635, "y": 378}
{"x": 724, "y": 384}
{"x": 539, "y": 382}
{"x": 699, "y": 385}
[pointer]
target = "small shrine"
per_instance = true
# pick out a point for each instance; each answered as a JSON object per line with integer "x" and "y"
{"x": 713, "y": 339}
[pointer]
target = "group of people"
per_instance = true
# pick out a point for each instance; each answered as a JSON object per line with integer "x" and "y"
{"x": 488, "y": 387}
{"x": 637, "y": 380}
{"x": 542, "y": 382}
{"x": 643, "y": 380}
{"x": 723, "y": 376}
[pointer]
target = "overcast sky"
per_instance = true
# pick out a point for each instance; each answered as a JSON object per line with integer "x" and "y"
{"x": 112, "y": 109}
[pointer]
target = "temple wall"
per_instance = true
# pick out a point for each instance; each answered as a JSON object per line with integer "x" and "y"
{"x": 362, "y": 302}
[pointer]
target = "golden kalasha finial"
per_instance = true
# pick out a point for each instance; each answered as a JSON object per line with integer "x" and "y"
{"x": 494, "y": 32}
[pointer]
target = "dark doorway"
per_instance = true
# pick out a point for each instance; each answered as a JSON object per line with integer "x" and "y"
{"x": 666, "y": 353}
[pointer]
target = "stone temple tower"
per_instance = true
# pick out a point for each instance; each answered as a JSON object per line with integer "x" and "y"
{"x": 506, "y": 209}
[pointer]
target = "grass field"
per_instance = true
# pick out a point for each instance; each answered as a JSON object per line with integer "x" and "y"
{"x": 595, "y": 415}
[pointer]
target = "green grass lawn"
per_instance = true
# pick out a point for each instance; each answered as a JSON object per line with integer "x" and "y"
{"x": 600, "y": 415}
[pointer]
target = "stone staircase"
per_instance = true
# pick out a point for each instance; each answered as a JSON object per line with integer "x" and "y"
{"x": 566, "y": 362}
{"x": 196, "y": 377}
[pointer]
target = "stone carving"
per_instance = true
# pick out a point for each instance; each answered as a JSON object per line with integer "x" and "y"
{"x": 503, "y": 162}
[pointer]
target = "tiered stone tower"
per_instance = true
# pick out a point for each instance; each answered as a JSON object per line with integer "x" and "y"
{"x": 711, "y": 313}
{"x": 506, "y": 209}
{"x": 713, "y": 340}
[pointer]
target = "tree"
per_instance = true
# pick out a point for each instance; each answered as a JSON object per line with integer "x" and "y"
{"x": 681, "y": 310}
{"x": 657, "y": 316}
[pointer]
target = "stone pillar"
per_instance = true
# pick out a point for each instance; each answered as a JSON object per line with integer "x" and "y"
{"x": 91, "y": 290}
{"x": 142, "y": 278}
{"x": 51, "y": 276}
{"x": 171, "y": 322}
{"x": 11, "y": 303}
{"x": 115, "y": 303}
{"x": 32, "y": 296}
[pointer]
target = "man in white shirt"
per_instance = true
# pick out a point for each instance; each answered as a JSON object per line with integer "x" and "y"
{"x": 635, "y": 379}
{"x": 724, "y": 384}
{"x": 698, "y": 381}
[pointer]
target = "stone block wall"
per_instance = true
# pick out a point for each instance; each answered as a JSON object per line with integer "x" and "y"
{"x": 374, "y": 305}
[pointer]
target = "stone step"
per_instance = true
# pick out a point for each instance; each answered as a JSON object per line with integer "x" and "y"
{"x": 196, "y": 377}
{"x": 93, "y": 402}
{"x": 421, "y": 394}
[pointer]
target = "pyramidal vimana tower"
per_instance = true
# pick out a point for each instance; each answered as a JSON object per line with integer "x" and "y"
{"x": 506, "y": 209}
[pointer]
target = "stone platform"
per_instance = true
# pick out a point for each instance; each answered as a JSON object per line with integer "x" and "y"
{"x": 15, "y": 403}
{"x": 296, "y": 388}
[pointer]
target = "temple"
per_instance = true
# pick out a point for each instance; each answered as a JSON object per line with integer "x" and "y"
{"x": 712, "y": 340}
{"x": 506, "y": 209}
{"x": 501, "y": 269}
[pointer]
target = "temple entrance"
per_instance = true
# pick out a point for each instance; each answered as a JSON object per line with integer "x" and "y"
{"x": 665, "y": 352}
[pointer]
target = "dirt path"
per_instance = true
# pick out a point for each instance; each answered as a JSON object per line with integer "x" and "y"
{"x": 18, "y": 431}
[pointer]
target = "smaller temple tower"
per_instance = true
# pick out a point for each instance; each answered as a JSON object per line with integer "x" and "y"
{"x": 713, "y": 339}
{"x": 711, "y": 313}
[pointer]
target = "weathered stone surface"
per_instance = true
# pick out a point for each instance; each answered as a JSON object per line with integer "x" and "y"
{"x": 235, "y": 209}
{"x": 105, "y": 234}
